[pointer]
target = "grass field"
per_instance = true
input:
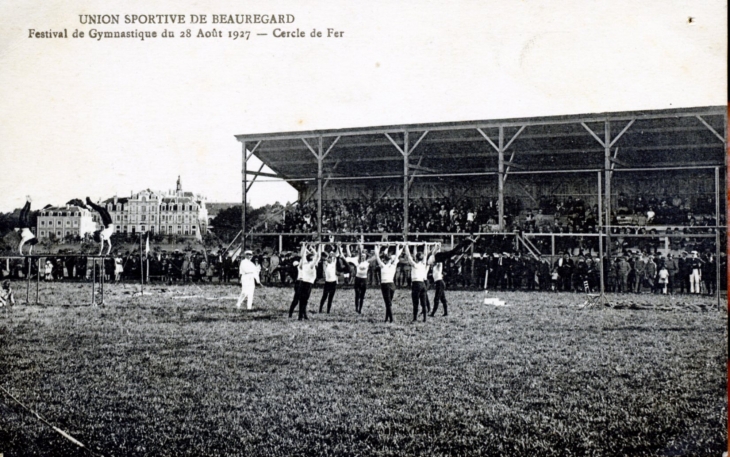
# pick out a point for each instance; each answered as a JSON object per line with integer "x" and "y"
{"x": 180, "y": 371}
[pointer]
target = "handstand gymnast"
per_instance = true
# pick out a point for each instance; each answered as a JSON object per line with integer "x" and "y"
{"x": 26, "y": 236}
{"x": 106, "y": 233}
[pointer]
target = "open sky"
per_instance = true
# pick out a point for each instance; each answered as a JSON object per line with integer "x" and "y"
{"x": 80, "y": 116}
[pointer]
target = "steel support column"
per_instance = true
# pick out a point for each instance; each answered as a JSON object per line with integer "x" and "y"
{"x": 406, "y": 185}
{"x": 320, "y": 159}
{"x": 717, "y": 235}
{"x": 607, "y": 167}
{"x": 244, "y": 182}
{"x": 600, "y": 237}
{"x": 500, "y": 177}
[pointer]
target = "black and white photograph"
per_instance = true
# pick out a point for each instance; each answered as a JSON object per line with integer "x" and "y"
{"x": 386, "y": 228}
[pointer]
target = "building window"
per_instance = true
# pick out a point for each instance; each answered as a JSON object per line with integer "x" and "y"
{"x": 68, "y": 223}
{"x": 59, "y": 223}
{"x": 58, "y": 233}
{"x": 43, "y": 233}
{"x": 119, "y": 218}
{"x": 76, "y": 223}
{"x": 179, "y": 229}
{"x": 43, "y": 223}
{"x": 143, "y": 217}
{"x": 142, "y": 228}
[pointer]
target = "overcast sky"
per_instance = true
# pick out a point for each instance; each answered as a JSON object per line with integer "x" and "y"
{"x": 84, "y": 117}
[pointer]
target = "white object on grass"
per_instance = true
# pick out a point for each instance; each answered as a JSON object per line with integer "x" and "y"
{"x": 494, "y": 301}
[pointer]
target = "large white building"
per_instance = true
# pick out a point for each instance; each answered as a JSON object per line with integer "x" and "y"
{"x": 65, "y": 221}
{"x": 167, "y": 213}
{"x": 175, "y": 212}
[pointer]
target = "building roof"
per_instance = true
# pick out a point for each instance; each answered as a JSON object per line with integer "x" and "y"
{"x": 639, "y": 139}
{"x": 63, "y": 208}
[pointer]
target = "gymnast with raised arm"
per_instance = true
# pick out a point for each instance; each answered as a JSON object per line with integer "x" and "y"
{"x": 106, "y": 233}
{"x": 26, "y": 236}
{"x": 388, "y": 266}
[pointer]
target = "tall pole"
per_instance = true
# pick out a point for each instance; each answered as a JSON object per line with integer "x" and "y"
{"x": 244, "y": 182}
{"x": 607, "y": 166}
{"x": 717, "y": 236}
{"x": 38, "y": 281}
{"x": 141, "y": 266}
{"x": 600, "y": 236}
{"x": 320, "y": 156}
{"x": 500, "y": 177}
{"x": 405, "y": 185}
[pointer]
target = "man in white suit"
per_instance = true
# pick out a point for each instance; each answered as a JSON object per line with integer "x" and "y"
{"x": 249, "y": 273}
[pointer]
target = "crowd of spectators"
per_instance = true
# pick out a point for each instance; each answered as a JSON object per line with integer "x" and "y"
{"x": 550, "y": 214}
{"x": 494, "y": 262}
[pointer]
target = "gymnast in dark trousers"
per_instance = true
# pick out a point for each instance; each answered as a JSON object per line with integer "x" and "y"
{"x": 362, "y": 264}
{"x": 105, "y": 234}
{"x": 388, "y": 266}
{"x": 419, "y": 271}
{"x": 26, "y": 236}
{"x": 330, "y": 278}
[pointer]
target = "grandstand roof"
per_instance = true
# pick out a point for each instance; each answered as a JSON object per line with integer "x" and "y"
{"x": 683, "y": 137}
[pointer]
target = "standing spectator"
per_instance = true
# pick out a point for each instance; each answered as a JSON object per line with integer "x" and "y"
{"x": 274, "y": 262}
{"x": 564, "y": 266}
{"x": 651, "y": 273}
{"x": 672, "y": 269}
{"x": 249, "y": 278}
{"x": 664, "y": 278}
{"x": 709, "y": 274}
{"x": 695, "y": 276}
{"x": 118, "y": 269}
{"x": 48, "y": 270}
{"x": 622, "y": 269}
{"x": 639, "y": 272}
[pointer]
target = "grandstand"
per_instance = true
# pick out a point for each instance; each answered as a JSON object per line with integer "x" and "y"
{"x": 651, "y": 177}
